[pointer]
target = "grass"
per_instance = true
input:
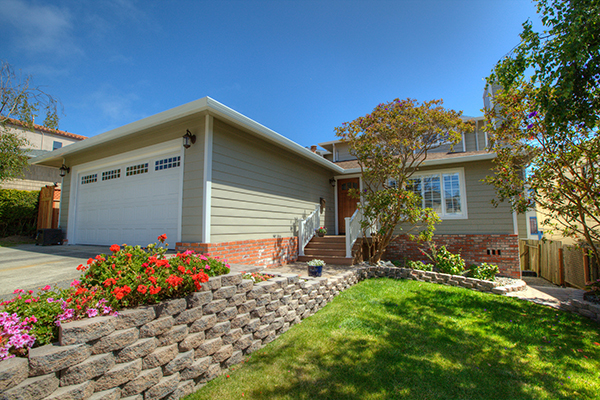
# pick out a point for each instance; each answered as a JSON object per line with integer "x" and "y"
{"x": 387, "y": 339}
{"x": 11, "y": 241}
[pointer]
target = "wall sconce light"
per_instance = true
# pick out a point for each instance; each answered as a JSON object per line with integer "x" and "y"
{"x": 332, "y": 182}
{"x": 188, "y": 139}
{"x": 64, "y": 170}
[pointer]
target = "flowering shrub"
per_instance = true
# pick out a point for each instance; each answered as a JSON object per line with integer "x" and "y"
{"x": 593, "y": 286}
{"x": 48, "y": 308}
{"x": 256, "y": 276}
{"x": 14, "y": 335}
{"x": 129, "y": 277}
{"x": 484, "y": 271}
{"x": 316, "y": 263}
{"x": 133, "y": 276}
{"x": 322, "y": 230}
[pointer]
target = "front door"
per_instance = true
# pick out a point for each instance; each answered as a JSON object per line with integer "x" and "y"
{"x": 346, "y": 203}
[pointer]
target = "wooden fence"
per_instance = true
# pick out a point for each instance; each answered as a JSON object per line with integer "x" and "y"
{"x": 48, "y": 208}
{"x": 555, "y": 262}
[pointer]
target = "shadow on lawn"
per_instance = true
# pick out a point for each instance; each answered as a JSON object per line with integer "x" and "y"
{"x": 435, "y": 343}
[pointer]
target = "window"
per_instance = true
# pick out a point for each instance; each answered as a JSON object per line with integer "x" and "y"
{"x": 136, "y": 169}
{"x": 533, "y": 226}
{"x": 56, "y": 145}
{"x": 166, "y": 163}
{"x": 114, "y": 174}
{"x": 89, "y": 179}
{"x": 442, "y": 191}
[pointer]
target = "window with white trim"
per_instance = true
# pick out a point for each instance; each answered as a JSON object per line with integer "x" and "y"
{"x": 443, "y": 191}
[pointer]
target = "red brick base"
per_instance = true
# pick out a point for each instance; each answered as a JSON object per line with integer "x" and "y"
{"x": 261, "y": 252}
{"x": 502, "y": 250}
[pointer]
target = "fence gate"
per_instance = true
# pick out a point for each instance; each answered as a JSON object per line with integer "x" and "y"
{"x": 48, "y": 208}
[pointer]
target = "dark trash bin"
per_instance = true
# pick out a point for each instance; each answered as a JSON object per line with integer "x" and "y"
{"x": 47, "y": 237}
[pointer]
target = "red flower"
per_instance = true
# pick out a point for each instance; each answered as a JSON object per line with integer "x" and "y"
{"x": 162, "y": 238}
{"x": 81, "y": 267}
{"x": 155, "y": 290}
{"x": 162, "y": 263}
{"x": 150, "y": 271}
{"x": 90, "y": 260}
{"x": 115, "y": 247}
{"x": 174, "y": 280}
{"x": 109, "y": 281}
{"x": 142, "y": 289}
{"x": 152, "y": 279}
{"x": 181, "y": 269}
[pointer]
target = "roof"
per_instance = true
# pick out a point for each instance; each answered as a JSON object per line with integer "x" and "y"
{"x": 203, "y": 105}
{"x": 41, "y": 128}
{"x": 432, "y": 159}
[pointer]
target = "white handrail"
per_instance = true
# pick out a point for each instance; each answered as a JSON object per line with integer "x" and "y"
{"x": 306, "y": 229}
{"x": 353, "y": 230}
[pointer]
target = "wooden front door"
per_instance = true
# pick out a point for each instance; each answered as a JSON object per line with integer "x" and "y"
{"x": 346, "y": 203}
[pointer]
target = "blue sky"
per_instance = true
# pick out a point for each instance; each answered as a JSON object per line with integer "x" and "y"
{"x": 300, "y": 68}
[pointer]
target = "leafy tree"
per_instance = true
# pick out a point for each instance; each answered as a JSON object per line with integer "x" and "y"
{"x": 391, "y": 143}
{"x": 544, "y": 121}
{"x": 20, "y": 103}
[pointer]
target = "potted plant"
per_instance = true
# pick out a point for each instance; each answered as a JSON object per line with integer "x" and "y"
{"x": 321, "y": 231}
{"x": 315, "y": 267}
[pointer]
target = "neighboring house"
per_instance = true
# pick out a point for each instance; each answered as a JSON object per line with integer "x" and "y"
{"x": 241, "y": 191}
{"x": 41, "y": 140}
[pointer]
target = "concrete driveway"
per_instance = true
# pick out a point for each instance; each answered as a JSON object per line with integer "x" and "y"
{"x": 28, "y": 266}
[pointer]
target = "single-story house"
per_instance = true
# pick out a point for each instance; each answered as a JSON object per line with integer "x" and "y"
{"x": 244, "y": 192}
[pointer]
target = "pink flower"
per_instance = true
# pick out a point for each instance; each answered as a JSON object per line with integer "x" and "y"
{"x": 206, "y": 267}
{"x": 75, "y": 283}
{"x": 47, "y": 287}
{"x": 91, "y": 312}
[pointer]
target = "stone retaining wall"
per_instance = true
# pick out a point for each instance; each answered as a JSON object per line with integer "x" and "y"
{"x": 170, "y": 350}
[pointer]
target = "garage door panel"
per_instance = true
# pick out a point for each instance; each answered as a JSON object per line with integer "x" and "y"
{"x": 129, "y": 209}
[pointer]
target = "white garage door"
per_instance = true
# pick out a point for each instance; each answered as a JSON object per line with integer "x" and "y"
{"x": 132, "y": 202}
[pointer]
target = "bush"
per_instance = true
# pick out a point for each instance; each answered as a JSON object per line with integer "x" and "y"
{"x": 447, "y": 262}
{"x": 484, "y": 271}
{"x": 129, "y": 277}
{"x": 18, "y": 212}
{"x": 419, "y": 265}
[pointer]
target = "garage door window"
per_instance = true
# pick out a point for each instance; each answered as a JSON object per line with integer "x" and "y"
{"x": 89, "y": 179}
{"x": 166, "y": 163}
{"x": 114, "y": 174}
{"x": 136, "y": 169}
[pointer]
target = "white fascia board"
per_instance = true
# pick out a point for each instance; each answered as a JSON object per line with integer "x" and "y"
{"x": 330, "y": 142}
{"x": 174, "y": 114}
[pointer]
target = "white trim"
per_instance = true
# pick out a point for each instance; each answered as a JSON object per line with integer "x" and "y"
{"x": 477, "y": 135}
{"x": 203, "y": 105}
{"x": 180, "y": 205}
{"x": 145, "y": 152}
{"x": 464, "y": 146}
{"x": 335, "y": 156}
{"x": 515, "y": 223}
{"x": 207, "y": 179}
{"x": 463, "y": 190}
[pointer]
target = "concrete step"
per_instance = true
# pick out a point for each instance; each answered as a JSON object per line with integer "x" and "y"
{"x": 328, "y": 260}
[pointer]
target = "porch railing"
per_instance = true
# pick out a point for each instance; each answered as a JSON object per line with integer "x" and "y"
{"x": 306, "y": 229}
{"x": 353, "y": 230}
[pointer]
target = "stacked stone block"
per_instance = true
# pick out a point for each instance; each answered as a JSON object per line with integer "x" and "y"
{"x": 170, "y": 350}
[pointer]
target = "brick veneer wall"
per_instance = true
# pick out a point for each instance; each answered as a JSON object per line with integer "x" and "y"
{"x": 172, "y": 349}
{"x": 260, "y": 252}
{"x": 503, "y": 250}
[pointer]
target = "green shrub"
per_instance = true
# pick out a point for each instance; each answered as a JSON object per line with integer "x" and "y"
{"x": 446, "y": 262}
{"x": 484, "y": 271}
{"x": 419, "y": 265}
{"x": 18, "y": 212}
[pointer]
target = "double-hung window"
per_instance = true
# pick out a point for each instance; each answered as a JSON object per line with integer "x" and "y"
{"x": 443, "y": 191}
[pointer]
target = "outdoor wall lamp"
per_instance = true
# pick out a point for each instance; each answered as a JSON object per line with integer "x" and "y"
{"x": 332, "y": 182}
{"x": 64, "y": 170}
{"x": 188, "y": 139}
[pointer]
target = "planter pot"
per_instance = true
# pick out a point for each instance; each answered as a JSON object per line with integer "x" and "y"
{"x": 315, "y": 271}
{"x": 319, "y": 234}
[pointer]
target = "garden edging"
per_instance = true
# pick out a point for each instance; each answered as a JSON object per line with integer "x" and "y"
{"x": 172, "y": 349}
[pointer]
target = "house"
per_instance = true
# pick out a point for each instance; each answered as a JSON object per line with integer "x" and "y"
{"x": 217, "y": 182}
{"x": 470, "y": 224}
{"x": 40, "y": 140}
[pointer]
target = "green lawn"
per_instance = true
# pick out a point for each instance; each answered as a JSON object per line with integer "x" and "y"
{"x": 387, "y": 339}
